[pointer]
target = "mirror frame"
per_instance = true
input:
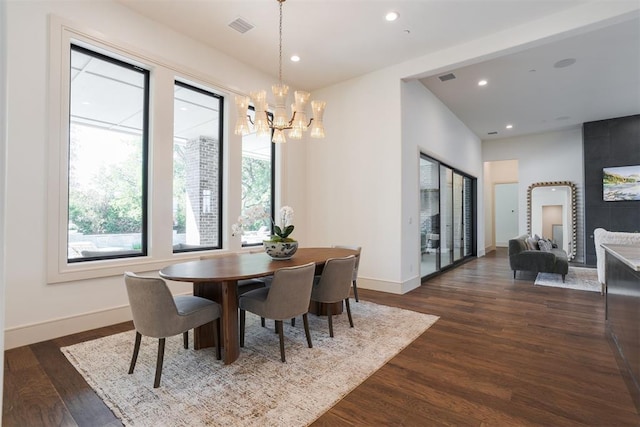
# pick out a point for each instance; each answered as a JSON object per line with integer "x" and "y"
{"x": 574, "y": 216}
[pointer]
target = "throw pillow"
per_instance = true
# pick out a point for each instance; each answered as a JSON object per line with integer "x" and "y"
{"x": 545, "y": 245}
{"x": 532, "y": 244}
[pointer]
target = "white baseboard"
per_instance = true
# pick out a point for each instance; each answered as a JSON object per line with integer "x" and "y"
{"x": 43, "y": 331}
{"x": 29, "y": 334}
{"x": 390, "y": 287}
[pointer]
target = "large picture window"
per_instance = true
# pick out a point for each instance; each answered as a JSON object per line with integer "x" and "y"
{"x": 197, "y": 169}
{"x": 108, "y": 137}
{"x": 258, "y": 171}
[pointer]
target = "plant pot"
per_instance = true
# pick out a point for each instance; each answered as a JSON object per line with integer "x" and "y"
{"x": 280, "y": 250}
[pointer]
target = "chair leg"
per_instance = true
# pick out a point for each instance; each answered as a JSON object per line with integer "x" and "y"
{"x": 280, "y": 329}
{"x": 305, "y": 320}
{"x": 330, "y": 320}
{"x": 563, "y": 278}
{"x": 243, "y": 315}
{"x": 216, "y": 336}
{"x": 355, "y": 291}
{"x": 262, "y": 323}
{"x": 293, "y": 321}
{"x": 185, "y": 337}
{"x": 156, "y": 383}
{"x": 346, "y": 303}
{"x": 514, "y": 274}
{"x": 136, "y": 349}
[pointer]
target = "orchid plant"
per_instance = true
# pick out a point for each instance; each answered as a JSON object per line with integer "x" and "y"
{"x": 260, "y": 213}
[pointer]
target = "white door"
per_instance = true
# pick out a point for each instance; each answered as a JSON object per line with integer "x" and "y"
{"x": 505, "y": 213}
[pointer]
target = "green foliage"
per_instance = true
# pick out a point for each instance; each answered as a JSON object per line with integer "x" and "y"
{"x": 179, "y": 189}
{"x": 110, "y": 201}
{"x": 283, "y": 234}
{"x": 256, "y": 187}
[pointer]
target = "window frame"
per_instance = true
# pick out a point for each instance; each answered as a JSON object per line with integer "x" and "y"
{"x": 145, "y": 152}
{"x": 273, "y": 181}
{"x": 221, "y": 170}
{"x": 163, "y": 73}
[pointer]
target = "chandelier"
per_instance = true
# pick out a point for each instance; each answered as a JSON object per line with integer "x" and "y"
{"x": 263, "y": 124}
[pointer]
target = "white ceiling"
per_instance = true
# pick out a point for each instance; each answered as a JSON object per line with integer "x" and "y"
{"x": 341, "y": 39}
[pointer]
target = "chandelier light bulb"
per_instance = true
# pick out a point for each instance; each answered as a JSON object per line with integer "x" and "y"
{"x": 317, "y": 126}
{"x": 242, "y": 124}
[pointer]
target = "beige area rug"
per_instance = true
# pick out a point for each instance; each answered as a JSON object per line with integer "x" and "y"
{"x": 583, "y": 279}
{"x": 256, "y": 390}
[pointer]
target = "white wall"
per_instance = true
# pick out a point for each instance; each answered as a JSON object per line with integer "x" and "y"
{"x": 553, "y": 156}
{"x": 428, "y": 126}
{"x": 354, "y": 187}
{"x": 3, "y": 136}
{"x": 36, "y": 310}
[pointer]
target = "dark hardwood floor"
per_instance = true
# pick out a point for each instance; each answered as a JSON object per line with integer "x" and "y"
{"x": 503, "y": 353}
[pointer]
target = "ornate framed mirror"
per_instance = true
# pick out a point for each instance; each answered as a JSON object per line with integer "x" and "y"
{"x": 551, "y": 213}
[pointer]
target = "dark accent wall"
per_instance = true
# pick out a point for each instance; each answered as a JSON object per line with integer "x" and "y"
{"x": 606, "y": 143}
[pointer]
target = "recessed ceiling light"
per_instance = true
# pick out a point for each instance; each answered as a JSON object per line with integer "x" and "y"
{"x": 183, "y": 108}
{"x": 392, "y": 16}
{"x": 295, "y": 58}
{"x": 509, "y": 126}
{"x": 565, "y": 63}
{"x": 482, "y": 83}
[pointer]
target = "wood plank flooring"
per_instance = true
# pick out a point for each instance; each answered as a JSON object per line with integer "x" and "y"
{"x": 503, "y": 353}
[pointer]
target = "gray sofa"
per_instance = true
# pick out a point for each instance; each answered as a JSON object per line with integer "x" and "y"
{"x": 522, "y": 258}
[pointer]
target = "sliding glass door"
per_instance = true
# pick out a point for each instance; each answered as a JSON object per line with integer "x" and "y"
{"x": 446, "y": 208}
{"x": 429, "y": 216}
{"x": 447, "y": 216}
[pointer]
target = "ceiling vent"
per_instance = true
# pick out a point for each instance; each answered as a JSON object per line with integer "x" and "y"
{"x": 445, "y": 77}
{"x": 492, "y": 133}
{"x": 240, "y": 25}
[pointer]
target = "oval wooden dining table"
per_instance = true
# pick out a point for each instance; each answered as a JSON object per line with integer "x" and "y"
{"x": 217, "y": 278}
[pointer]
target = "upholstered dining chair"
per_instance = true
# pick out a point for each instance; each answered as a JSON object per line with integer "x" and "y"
{"x": 158, "y": 314}
{"x": 355, "y": 269}
{"x": 333, "y": 285}
{"x": 287, "y": 297}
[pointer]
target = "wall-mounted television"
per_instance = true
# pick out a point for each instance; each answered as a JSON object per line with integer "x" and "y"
{"x": 621, "y": 183}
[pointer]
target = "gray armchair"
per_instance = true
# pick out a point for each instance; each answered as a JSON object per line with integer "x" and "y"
{"x": 355, "y": 269}
{"x": 158, "y": 314}
{"x": 334, "y": 285}
{"x": 287, "y": 297}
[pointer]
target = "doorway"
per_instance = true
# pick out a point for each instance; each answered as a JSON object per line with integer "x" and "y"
{"x": 505, "y": 213}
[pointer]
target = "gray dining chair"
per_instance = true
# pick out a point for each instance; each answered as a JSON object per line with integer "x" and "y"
{"x": 355, "y": 269}
{"x": 158, "y": 314}
{"x": 246, "y": 285}
{"x": 333, "y": 285}
{"x": 287, "y": 297}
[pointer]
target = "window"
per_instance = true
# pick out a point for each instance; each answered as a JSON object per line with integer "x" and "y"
{"x": 197, "y": 169}
{"x": 258, "y": 167}
{"x": 113, "y": 154}
{"x": 107, "y": 157}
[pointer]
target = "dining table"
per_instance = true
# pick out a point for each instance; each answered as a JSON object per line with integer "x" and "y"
{"x": 216, "y": 278}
